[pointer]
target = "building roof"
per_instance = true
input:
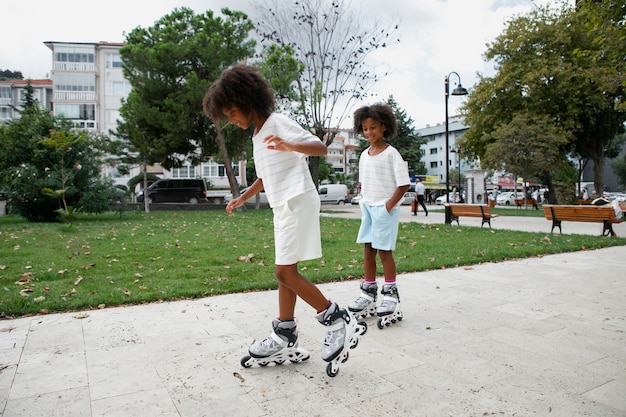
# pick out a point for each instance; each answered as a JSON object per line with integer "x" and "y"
{"x": 41, "y": 82}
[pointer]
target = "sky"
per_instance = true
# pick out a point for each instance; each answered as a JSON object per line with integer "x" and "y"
{"x": 437, "y": 37}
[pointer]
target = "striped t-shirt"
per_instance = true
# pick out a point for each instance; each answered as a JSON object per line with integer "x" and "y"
{"x": 381, "y": 175}
{"x": 285, "y": 174}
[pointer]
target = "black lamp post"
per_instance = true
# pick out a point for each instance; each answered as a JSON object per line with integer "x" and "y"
{"x": 459, "y": 91}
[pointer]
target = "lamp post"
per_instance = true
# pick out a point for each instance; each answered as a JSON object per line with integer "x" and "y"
{"x": 459, "y": 91}
{"x": 458, "y": 158}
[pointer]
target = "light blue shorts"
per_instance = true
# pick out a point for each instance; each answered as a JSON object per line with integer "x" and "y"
{"x": 379, "y": 227}
{"x": 297, "y": 234}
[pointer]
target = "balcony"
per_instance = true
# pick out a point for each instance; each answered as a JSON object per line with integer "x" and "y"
{"x": 82, "y": 96}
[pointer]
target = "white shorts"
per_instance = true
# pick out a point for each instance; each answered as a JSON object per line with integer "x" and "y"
{"x": 297, "y": 234}
{"x": 379, "y": 227}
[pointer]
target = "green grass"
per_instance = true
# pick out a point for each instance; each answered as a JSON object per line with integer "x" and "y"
{"x": 165, "y": 255}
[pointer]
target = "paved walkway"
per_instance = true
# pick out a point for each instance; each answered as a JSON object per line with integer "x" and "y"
{"x": 534, "y": 337}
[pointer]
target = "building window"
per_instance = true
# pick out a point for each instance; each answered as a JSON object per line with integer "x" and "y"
{"x": 120, "y": 88}
{"x": 113, "y": 61}
{"x": 75, "y": 82}
{"x": 213, "y": 169}
{"x": 184, "y": 172}
{"x": 433, "y": 151}
{"x": 433, "y": 164}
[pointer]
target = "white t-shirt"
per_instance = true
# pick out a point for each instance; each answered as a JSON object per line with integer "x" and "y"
{"x": 381, "y": 175}
{"x": 285, "y": 174}
{"x": 419, "y": 188}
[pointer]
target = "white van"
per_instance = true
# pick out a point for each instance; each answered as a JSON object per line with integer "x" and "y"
{"x": 333, "y": 193}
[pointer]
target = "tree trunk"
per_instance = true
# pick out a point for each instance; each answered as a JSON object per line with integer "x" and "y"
{"x": 228, "y": 166}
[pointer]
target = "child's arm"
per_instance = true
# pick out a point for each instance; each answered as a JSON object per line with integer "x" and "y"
{"x": 311, "y": 148}
{"x": 254, "y": 189}
{"x": 397, "y": 196}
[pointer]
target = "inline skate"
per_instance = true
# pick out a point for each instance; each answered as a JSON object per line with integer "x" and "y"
{"x": 281, "y": 345}
{"x": 343, "y": 334}
{"x": 389, "y": 309}
{"x": 365, "y": 304}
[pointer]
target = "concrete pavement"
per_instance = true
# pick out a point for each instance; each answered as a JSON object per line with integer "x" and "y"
{"x": 533, "y": 337}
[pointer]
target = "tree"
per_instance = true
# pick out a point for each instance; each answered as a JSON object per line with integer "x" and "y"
{"x": 527, "y": 146}
{"x": 170, "y": 66}
{"x": 333, "y": 43}
{"x": 69, "y": 168}
{"x": 549, "y": 68}
{"x": 408, "y": 142}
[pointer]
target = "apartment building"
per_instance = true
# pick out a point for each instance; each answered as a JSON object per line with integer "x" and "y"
{"x": 435, "y": 148}
{"x": 342, "y": 153}
{"x": 88, "y": 87}
{"x": 12, "y": 95}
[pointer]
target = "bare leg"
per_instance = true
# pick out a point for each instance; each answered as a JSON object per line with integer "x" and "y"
{"x": 369, "y": 262}
{"x": 389, "y": 265}
{"x": 291, "y": 285}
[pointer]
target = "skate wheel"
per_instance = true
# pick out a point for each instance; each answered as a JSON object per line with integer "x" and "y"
{"x": 355, "y": 344}
{"x": 330, "y": 372}
{"x": 244, "y": 361}
{"x": 364, "y": 325}
{"x": 380, "y": 324}
{"x": 279, "y": 362}
{"x": 400, "y": 318}
{"x": 345, "y": 358}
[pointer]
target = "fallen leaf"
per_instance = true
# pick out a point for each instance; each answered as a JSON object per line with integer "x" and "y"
{"x": 81, "y": 316}
{"x": 78, "y": 280}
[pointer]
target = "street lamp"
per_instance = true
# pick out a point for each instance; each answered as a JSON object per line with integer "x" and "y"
{"x": 458, "y": 158}
{"x": 459, "y": 91}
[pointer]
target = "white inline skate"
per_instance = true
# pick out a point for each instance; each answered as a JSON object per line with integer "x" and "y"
{"x": 365, "y": 304}
{"x": 278, "y": 347}
{"x": 389, "y": 309}
{"x": 343, "y": 334}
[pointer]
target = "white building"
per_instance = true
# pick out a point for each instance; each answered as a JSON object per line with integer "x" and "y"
{"x": 12, "y": 95}
{"x": 88, "y": 87}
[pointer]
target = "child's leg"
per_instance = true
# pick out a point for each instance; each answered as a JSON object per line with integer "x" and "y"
{"x": 291, "y": 285}
{"x": 369, "y": 262}
{"x": 389, "y": 265}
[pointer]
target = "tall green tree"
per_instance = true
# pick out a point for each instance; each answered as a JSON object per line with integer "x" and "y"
{"x": 170, "y": 66}
{"x": 333, "y": 42}
{"x": 408, "y": 141}
{"x": 549, "y": 67}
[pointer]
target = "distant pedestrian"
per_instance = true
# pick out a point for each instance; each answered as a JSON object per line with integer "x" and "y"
{"x": 419, "y": 196}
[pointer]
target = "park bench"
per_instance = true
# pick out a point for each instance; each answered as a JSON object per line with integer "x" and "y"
{"x": 471, "y": 210}
{"x": 519, "y": 202}
{"x": 582, "y": 213}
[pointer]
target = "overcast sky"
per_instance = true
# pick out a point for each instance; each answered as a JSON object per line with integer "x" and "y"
{"x": 436, "y": 37}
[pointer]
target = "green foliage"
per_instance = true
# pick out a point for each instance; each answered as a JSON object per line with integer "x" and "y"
{"x": 167, "y": 255}
{"x": 552, "y": 67}
{"x": 408, "y": 142}
{"x": 45, "y": 167}
{"x": 170, "y": 67}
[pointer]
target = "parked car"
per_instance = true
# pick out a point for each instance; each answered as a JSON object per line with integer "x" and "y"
{"x": 408, "y": 198}
{"x": 507, "y": 198}
{"x": 356, "y": 199}
{"x": 252, "y": 200}
{"x": 442, "y": 198}
{"x": 170, "y": 190}
{"x": 333, "y": 193}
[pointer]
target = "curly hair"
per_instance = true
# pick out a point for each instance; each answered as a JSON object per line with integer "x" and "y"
{"x": 380, "y": 112}
{"x": 242, "y": 86}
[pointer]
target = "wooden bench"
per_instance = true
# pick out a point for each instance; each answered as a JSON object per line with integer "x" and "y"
{"x": 471, "y": 210}
{"x": 585, "y": 213}
{"x": 519, "y": 202}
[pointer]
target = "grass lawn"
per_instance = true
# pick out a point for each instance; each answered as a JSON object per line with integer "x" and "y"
{"x": 163, "y": 255}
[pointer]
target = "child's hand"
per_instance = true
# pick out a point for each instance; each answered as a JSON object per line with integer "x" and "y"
{"x": 278, "y": 144}
{"x": 233, "y": 204}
